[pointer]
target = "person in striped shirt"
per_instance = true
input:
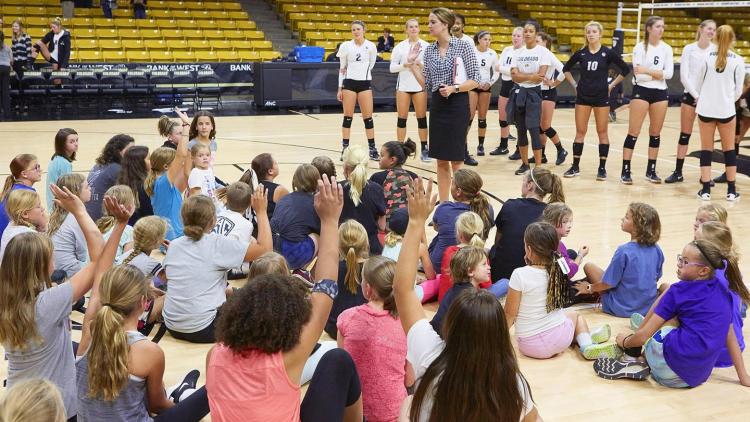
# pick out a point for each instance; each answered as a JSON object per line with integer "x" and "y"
{"x": 21, "y": 46}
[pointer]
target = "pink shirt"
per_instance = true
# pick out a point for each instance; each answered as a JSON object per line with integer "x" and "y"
{"x": 377, "y": 344}
{"x": 250, "y": 387}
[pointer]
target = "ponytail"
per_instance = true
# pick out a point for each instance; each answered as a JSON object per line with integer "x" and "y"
{"x": 378, "y": 272}
{"x": 356, "y": 159}
{"x": 557, "y": 284}
{"x": 470, "y": 183}
{"x": 734, "y": 277}
{"x": 724, "y": 40}
{"x": 354, "y": 245}
{"x": 547, "y": 183}
{"x": 18, "y": 165}
{"x": 480, "y": 205}
{"x": 105, "y": 223}
{"x": 470, "y": 229}
{"x": 392, "y": 238}
{"x": 197, "y": 213}
{"x": 7, "y": 186}
{"x": 352, "y": 271}
{"x": 166, "y": 126}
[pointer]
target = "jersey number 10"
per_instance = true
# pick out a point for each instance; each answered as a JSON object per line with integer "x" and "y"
{"x": 590, "y": 66}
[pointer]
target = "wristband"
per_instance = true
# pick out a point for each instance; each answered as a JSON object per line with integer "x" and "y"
{"x": 329, "y": 287}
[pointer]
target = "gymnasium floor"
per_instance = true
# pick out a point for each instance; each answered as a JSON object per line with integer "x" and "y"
{"x": 565, "y": 387}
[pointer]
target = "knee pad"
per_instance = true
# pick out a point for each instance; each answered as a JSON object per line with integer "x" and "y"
{"x": 630, "y": 141}
{"x": 503, "y": 123}
{"x": 400, "y": 123}
{"x": 684, "y": 138}
{"x": 730, "y": 158}
{"x": 550, "y": 133}
{"x": 541, "y": 131}
{"x": 654, "y": 141}
{"x": 422, "y": 122}
{"x": 369, "y": 123}
{"x": 482, "y": 123}
{"x": 577, "y": 149}
{"x": 603, "y": 150}
{"x": 706, "y": 158}
{"x": 347, "y": 122}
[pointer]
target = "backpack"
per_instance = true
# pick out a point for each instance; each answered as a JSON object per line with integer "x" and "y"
{"x": 395, "y": 189}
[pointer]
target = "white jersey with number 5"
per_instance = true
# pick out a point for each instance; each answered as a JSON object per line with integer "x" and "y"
{"x": 487, "y": 60}
{"x": 358, "y": 60}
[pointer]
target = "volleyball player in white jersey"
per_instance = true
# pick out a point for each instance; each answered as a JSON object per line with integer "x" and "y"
{"x": 457, "y": 30}
{"x": 479, "y": 97}
{"x": 693, "y": 55}
{"x": 718, "y": 83}
{"x": 357, "y": 58}
{"x": 552, "y": 79}
{"x": 507, "y": 84}
{"x": 408, "y": 89}
{"x": 652, "y": 67}
{"x": 527, "y": 68}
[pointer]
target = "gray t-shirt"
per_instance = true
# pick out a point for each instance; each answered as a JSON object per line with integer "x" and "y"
{"x": 52, "y": 359}
{"x": 6, "y": 54}
{"x": 197, "y": 274}
{"x": 148, "y": 266}
{"x": 100, "y": 179}
{"x": 10, "y": 232}
{"x": 71, "y": 251}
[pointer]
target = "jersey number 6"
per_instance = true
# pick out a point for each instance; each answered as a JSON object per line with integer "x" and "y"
{"x": 656, "y": 59}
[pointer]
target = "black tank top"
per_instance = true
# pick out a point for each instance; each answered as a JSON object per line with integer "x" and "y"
{"x": 270, "y": 189}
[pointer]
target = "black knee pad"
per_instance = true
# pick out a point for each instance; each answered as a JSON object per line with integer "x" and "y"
{"x": 550, "y": 133}
{"x": 482, "y": 123}
{"x": 654, "y": 141}
{"x": 347, "y": 122}
{"x": 369, "y": 123}
{"x": 684, "y": 138}
{"x": 400, "y": 123}
{"x": 503, "y": 123}
{"x": 422, "y": 122}
{"x": 603, "y": 150}
{"x": 706, "y": 157}
{"x": 630, "y": 141}
{"x": 730, "y": 158}
{"x": 577, "y": 149}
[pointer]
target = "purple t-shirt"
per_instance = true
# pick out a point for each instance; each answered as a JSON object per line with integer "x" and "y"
{"x": 704, "y": 311}
{"x": 571, "y": 263}
{"x": 724, "y": 359}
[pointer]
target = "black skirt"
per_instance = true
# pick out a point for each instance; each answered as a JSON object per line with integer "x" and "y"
{"x": 449, "y": 121}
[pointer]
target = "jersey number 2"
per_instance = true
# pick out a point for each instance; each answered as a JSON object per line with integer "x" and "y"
{"x": 359, "y": 58}
{"x": 592, "y": 65}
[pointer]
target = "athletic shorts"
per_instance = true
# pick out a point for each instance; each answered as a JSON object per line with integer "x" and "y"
{"x": 477, "y": 90}
{"x": 548, "y": 343}
{"x": 705, "y": 119}
{"x": 592, "y": 101}
{"x": 688, "y": 99}
{"x": 660, "y": 370}
{"x": 549, "y": 94}
{"x": 355, "y": 85}
{"x": 650, "y": 95}
{"x": 505, "y": 88}
{"x": 297, "y": 254}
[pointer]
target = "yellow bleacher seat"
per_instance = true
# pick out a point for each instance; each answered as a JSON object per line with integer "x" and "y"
{"x": 193, "y": 34}
{"x": 106, "y": 33}
{"x": 146, "y": 24}
{"x": 245, "y": 24}
{"x": 269, "y": 55}
{"x": 238, "y": 15}
{"x": 89, "y": 55}
{"x": 232, "y": 6}
{"x": 12, "y": 10}
{"x": 254, "y": 35}
{"x": 227, "y": 56}
{"x": 151, "y": 34}
{"x": 79, "y": 22}
{"x": 118, "y": 13}
{"x": 137, "y": 56}
{"x": 262, "y": 45}
{"x": 110, "y": 44}
{"x": 241, "y": 45}
{"x": 114, "y": 56}
{"x": 222, "y": 24}
{"x": 208, "y": 56}
{"x": 161, "y": 56}
{"x": 219, "y": 15}
{"x": 252, "y": 56}
{"x": 201, "y": 15}
{"x": 198, "y": 45}
{"x": 172, "y": 34}
{"x": 159, "y": 14}
{"x": 183, "y": 56}
{"x": 215, "y": 34}
{"x": 132, "y": 44}
{"x": 167, "y": 24}
{"x": 206, "y": 24}
{"x": 129, "y": 33}
{"x": 36, "y": 21}
{"x": 234, "y": 34}
{"x": 192, "y": 5}
{"x": 87, "y": 44}
{"x": 126, "y": 23}
{"x": 77, "y": 33}
{"x": 155, "y": 45}
{"x": 213, "y": 5}
{"x": 176, "y": 45}
{"x": 36, "y": 11}
{"x": 221, "y": 45}
{"x": 181, "y": 14}
{"x": 186, "y": 24}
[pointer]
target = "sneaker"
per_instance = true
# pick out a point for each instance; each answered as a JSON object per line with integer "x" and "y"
{"x": 601, "y": 174}
{"x": 425, "y": 156}
{"x": 636, "y": 320}
{"x": 499, "y": 151}
{"x": 188, "y": 383}
{"x": 511, "y": 137}
{"x": 303, "y": 275}
{"x": 605, "y": 350}
{"x": 612, "y": 117}
{"x": 653, "y": 178}
{"x": 561, "y": 156}
{"x": 731, "y": 197}
{"x": 721, "y": 179}
{"x": 515, "y": 156}
{"x": 675, "y": 177}
{"x": 374, "y": 156}
{"x": 470, "y": 161}
{"x": 532, "y": 160}
{"x": 573, "y": 171}
{"x": 613, "y": 369}
{"x": 480, "y": 150}
{"x": 626, "y": 179}
{"x": 522, "y": 170}
{"x": 704, "y": 196}
{"x": 601, "y": 334}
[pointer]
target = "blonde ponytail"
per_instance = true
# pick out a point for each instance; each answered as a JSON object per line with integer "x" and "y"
{"x": 724, "y": 40}
{"x": 356, "y": 158}
{"x": 148, "y": 234}
{"x": 469, "y": 229}
{"x": 392, "y": 238}
{"x": 354, "y": 245}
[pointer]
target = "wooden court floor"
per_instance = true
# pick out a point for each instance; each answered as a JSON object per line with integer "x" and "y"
{"x": 565, "y": 388}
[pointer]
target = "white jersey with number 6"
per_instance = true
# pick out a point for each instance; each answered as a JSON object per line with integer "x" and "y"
{"x": 656, "y": 57}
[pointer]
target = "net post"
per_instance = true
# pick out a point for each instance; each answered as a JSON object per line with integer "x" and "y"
{"x": 620, "y": 5}
{"x": 638, "y": 25}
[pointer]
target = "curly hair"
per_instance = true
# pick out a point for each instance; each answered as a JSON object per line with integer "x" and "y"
{"x": 266, "y": 315}
{"x": 112, "y": 152}
{"x": 646, "y": 222}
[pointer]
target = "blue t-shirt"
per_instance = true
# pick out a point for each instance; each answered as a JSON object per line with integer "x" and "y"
{"x": 57, "y": 167}
{"x": 295, "y": 217}
{"x": 4, "y": 217}
{"x": 703, "y": 309}
{"x": 632, "y": 274}
{"x": 445, "y": 304}
{"x": 724, "y": 359}
{"x": 445, "y": 218}
{"x": 167, "y": 201}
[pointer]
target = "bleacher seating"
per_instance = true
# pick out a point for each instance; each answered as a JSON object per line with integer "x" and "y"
{"x": 175, "y": 31}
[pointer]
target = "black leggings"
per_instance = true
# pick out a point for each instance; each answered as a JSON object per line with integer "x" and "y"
{"x": 333, "y": 387}
{"x": 203, "y": 336}
{"x": 193, "y": 408}
{"x": 523, "y": 140}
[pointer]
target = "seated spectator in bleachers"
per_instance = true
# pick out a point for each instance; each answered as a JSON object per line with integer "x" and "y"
{"x": 385, "y": 41}
{"x": 333, "y": 57}
{"x": 55, "y": 45}
{"x": 139, "y": 8}
{"x": 107, "y": 7}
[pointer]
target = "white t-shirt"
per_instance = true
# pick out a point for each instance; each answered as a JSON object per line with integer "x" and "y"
{"x": 528, "y": 61}
{"x": 358, "y": 60}
{"x": 719, "y": 91}
{"x": 233, "y": 224}
{"x": 532, "y": 315}
{"x": 487, "y": 61}
{"x": 690, "y": 61}
{"x": 197, "y": 274}
{"x": 423, "y": 346}
{"x": 56, "y": 40}
{"x": 555, "y": 66}
{"x": 10, "y": 232}
{"x": 148, "y": 266}
{"x": 406, "y": 80}
{"x": 506, "y": 58}
{"x": 657, "y": 57}
{"x": 468, "y": 39}
{"x": 203, "y": 179}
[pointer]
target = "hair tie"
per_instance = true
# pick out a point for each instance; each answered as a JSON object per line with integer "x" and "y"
{"x": 531, "y": 175}
{"x": 113, "y": 307}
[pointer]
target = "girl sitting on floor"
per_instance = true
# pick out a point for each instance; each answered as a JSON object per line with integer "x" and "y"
{"x": 64, "y": 230}
{"x": 24, "y": 207}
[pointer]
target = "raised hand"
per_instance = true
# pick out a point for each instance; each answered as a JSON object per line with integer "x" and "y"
{"x": 259, "y": 200}
{"x": 184, "y": 117}
{"x": 413, "y": 53}
{"x": 66, "y": 199}
{"x": 120, "y": 212}
{"x": 329, "y": 200}
{"x": 420, "y": 202}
